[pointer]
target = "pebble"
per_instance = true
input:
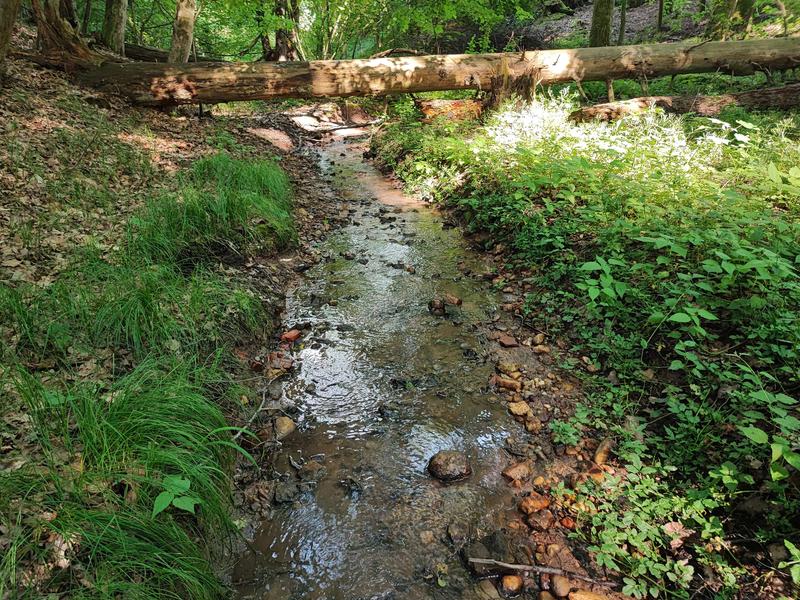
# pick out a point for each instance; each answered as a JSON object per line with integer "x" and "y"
{"x": 487, "y": 591}
{"x": 541, "y": 349}
{"x": 542, "y": 520}
{"x": 519, "y": 409}
{"x": 291, "y": 336}
{"x": 603, "y": 451}
{"x": 286, "y": 491}
{"x": 427, "y": 537}
{"x": 507, "y": 341}
{"x": 560, "y": 585}
{"x": 452, "y": 300}
{"x": 511, "y": 585}
{"x": 533, "y": 503}
{"x": 518, "y": 471}
{"x": 284, "y": 426}
{"x": 508, "y": 384}
{"x": 587, "y": 595}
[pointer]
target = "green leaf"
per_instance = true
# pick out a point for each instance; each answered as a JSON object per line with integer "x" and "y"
{"x": 778, "y": 471}
{"x": 176, "y": 484}
{"x": 593, "y": 293}
{"x": 676, "y": 365}
{"x": 680, "y": 318}
{"x": 759, "y": 436}
{"x": 706, "y": 315}
{"x": 186, "y": 503}
{"x": 773, "y": 173}
{"x": 162, "y": 501}
{"x": 777, "y": 451}
{"x": 793, "y": 458}
{"x": 794, "y": 571}
{"x": 590, "y": 266}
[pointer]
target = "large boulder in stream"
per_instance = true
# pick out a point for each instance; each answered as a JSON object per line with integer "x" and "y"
{"x": 449, "y": 465}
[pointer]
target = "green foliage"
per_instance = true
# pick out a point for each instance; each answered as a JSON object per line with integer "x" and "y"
{"x": 125, "y": 448}
{"x": 667, "y": 250}
{"x": 565, "y": 432}
{"x": 156, "y": 429}
{"x": 229, "y": 207}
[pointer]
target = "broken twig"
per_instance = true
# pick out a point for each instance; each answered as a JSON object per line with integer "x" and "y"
{"x": 547, "y": 570}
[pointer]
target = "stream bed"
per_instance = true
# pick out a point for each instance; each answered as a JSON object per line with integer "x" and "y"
{"x": 381, "y": 385}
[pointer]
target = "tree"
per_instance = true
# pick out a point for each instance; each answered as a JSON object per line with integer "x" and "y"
{"x": 182, "y": 31}
{"x": 86, "y": 19}
{"x": 8, "y": 16}
{"x": 57, "y": 39}
{"x": 287, "y": 43}
{"x": 623, "y": 10}
{"x": 114, "y": 22}
{"x": 600, "y": 34}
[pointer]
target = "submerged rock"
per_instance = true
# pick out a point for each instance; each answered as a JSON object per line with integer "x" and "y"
{"x": 286, "y": 491}
{"x": 449, "y": 465}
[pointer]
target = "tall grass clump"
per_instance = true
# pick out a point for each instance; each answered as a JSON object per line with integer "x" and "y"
{"x": 666, "y": 248}
{"x": 229, "y": 207}
{"x": 120, "y": 480}
{"x": 112, "y": 453}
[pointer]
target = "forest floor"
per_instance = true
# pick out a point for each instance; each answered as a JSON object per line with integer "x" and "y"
{"x": 145, "y": 260}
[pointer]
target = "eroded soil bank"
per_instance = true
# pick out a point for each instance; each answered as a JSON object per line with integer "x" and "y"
{"x": 383, "y": 381}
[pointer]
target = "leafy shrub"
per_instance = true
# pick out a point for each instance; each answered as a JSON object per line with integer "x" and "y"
{"x": 667, "y": 250}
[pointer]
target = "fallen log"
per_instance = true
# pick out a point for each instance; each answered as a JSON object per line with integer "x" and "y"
{"x": 781, "y": 98}
{"x": 150, "y": 54}
{"x": 452, "y": 110}
{"x": 163, "y": 84}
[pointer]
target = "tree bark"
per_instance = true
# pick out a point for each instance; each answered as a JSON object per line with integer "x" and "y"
{"x": 623, "y": 14}
{"x": 286, "y": 41}
{"x": 707, "y": 106}
{"x": 70, "y": 14}
{"x": 114, "y": 23}
{"x": 182, "y": 31}
{"x": 58, "y": 40}
{"x": 600, "y": 33}
{"x": 164, "y": 85}
{"x": 8, "y": 16}
{"x": 87, "y": 16}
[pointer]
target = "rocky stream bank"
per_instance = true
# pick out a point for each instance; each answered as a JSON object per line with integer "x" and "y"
{"x": 406, "y": 418}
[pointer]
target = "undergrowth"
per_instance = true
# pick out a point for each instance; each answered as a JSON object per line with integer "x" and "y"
{"x": 667, "y": 250}
{"x": 120, "y": 486}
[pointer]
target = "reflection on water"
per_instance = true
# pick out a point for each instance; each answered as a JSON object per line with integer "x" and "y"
{"x": 382, "y": 386}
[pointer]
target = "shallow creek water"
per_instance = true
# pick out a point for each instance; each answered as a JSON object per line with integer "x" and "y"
{"x": 381, "y": 386}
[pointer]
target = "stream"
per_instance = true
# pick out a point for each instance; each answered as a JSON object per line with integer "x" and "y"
{"x": 381, "y": 385}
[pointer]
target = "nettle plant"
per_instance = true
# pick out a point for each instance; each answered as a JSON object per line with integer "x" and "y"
{"x": 783, "y": 445}
{"x": 176, "y": 493}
